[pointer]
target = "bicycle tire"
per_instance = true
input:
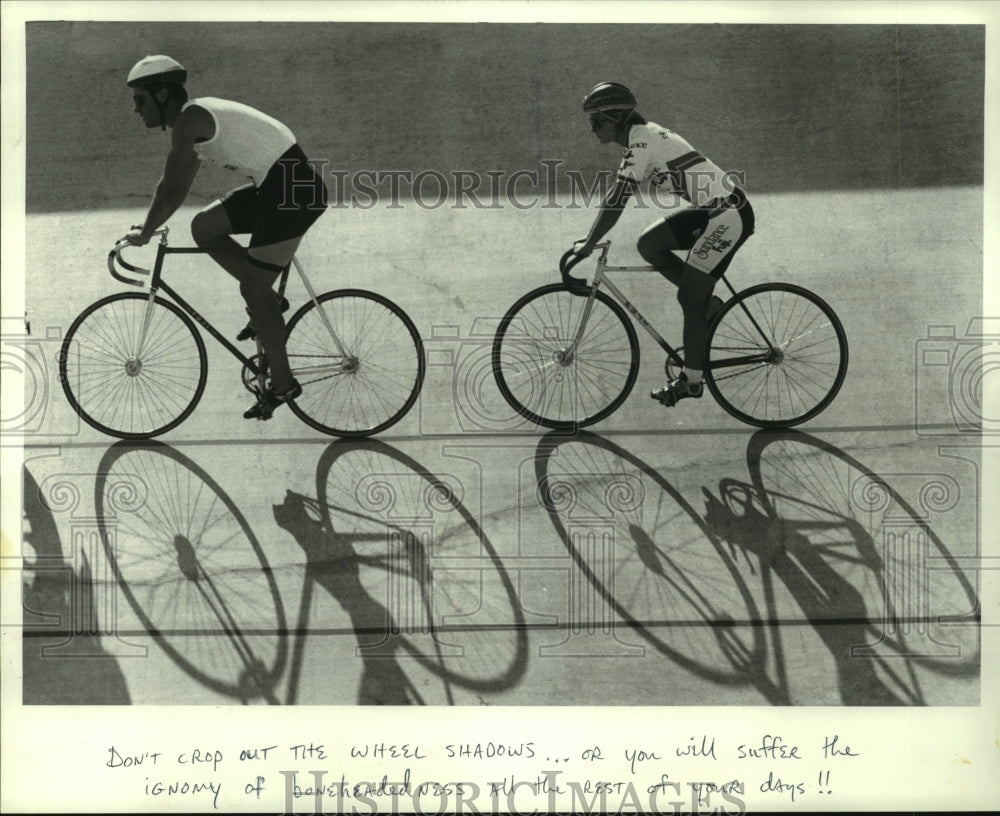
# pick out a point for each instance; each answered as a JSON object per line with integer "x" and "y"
{"x": 379, "y": 387}
{"x": 531, "y": 335}
{"x": 118, "y": 394}
{"x": 807, "y": 367}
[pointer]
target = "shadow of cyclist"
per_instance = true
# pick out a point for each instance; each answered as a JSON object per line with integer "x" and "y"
{"x": 332, "y": 564}
{"x": 396, "y": 546}
{"x": 64, "y": 661}
{"x": 865, "y": 570}
{"x": 647, "y": 554}
{"x": 830, "y": 604}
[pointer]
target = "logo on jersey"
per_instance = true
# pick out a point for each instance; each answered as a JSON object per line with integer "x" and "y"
{"x": 713, "y": 243}
{"x": 660, "y": 177}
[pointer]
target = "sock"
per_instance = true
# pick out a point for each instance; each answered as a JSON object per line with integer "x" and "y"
{"x": 693, "y": 375}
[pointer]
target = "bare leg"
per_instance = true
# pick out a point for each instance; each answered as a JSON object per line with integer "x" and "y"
{"x": 693, "y": 293}
{"x": 657, "y": 245}
{"x": 257, "y": 290}
{"x": 212, "y": 231}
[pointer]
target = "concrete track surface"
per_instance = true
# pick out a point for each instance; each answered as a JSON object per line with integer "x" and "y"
{"x": 658, "y": 561}
{"x": 745, "y": 567}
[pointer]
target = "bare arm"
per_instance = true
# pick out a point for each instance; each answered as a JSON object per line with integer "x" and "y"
{"x": 608, "y": 215}
{"x": 178, "y": 174}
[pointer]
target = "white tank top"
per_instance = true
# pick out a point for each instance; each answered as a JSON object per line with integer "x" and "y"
{"x": 245, "y": 139}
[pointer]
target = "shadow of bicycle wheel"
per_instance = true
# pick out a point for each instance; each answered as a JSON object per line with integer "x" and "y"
{"x": 398, "y": 547}
{"x": 846, "y": 526}
{"x": 649, "y": 556}
{"x": 191, "y": 569}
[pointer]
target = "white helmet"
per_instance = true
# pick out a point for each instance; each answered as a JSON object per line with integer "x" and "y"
{"x": 156, "y": 70}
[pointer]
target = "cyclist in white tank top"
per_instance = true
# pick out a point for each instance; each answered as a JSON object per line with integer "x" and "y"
{"x": 244, "y": 139}
{"x": 280, "y": 197}
{"x": 710, "y": 231}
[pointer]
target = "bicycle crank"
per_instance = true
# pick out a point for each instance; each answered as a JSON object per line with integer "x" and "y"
{"x": 252, "y": 380}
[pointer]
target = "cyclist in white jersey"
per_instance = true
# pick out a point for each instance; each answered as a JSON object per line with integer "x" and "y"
{"x": 281, "y": 198}
{"x": 710, "y": 231}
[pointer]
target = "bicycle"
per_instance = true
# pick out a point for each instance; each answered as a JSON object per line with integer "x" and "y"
{"x": 134, "y": 366}
{"x": 566, "y": 355}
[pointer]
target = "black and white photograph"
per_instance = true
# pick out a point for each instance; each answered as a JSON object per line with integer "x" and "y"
{"x": 546, "y": 407}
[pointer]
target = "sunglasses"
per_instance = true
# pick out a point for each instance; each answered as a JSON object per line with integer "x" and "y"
{"x": 598, "y": 119}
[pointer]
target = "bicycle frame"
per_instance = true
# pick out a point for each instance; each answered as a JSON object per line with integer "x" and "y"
{"x": 156, "y": 284}
{"x": 601, "y": 278}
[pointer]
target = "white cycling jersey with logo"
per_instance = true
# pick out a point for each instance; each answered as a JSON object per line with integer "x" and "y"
{"x": 245, "y": 139}
{"x": 662, "y": 158}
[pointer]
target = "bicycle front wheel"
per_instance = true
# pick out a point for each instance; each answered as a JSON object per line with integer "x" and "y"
{"x": 368, "y": 380}
{"x": 777, "y": 355}
{"x": 131, "y": 368}
{"x": 547, "y": 378}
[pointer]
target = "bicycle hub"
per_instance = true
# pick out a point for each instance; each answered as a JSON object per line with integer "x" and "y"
{"x": 563, "y": 357}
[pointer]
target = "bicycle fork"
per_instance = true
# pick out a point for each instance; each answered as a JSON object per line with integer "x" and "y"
{"x": 133, "y": 365}
{"x": 566, "y": 356}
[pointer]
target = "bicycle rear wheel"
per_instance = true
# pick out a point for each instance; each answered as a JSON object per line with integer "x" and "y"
{"x": 777, "y": 355}
{"x": 124, "y": 390}
{"x": 370, "y": 381}
{"x": 552, "y": 384}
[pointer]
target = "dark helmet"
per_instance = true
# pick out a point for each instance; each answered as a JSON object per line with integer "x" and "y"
{"x": 156, "y": 70}
{"x": 609, "y": 97}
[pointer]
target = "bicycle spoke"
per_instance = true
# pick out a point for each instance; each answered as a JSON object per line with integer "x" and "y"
{"x": 546, "y": 377}
{"x": 373, "y": 381}
{"x": 804, "y": 353}
{"x": 121, "y": 390}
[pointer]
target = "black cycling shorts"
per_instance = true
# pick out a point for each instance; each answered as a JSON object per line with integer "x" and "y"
{"x": 291, "y": 197}
{"x": 714, "y": 232}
